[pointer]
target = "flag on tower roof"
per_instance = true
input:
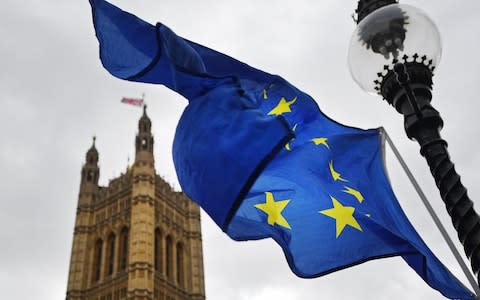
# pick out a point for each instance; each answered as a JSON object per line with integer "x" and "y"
{"x": 133, "y": 101}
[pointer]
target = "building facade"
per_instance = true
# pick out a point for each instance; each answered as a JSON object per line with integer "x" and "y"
{"x": 136, "y": 238}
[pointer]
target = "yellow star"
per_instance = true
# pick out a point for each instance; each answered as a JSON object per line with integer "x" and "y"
{"x": 354, "y": 193}
{"x": 335, "y": 175}
{"x": 274, "y": 210}
{"x": 321, "y": 141}
{"x": 282, "y": 107}
{"x": 343, "y": 216}
{"x": 287, "y": 146}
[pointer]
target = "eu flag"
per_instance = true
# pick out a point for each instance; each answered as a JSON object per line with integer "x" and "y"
{"x": 262, "y": 160}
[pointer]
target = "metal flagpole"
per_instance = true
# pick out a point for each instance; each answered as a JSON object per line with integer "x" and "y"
{"x": 434, "y": 216}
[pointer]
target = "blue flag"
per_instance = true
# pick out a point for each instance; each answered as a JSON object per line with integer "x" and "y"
{"x": 262, "y": 160}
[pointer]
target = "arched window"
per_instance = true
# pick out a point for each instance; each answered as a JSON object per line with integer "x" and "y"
{"x": 90, "y": 176}
{"x": 180, "y": 263}
{"x": 169, "y": 260}
{"x": 123, "y": 250}
{"x": 97, "y": 260}
{"x": 110, "y": 254}
{"x": 158, "y": 250}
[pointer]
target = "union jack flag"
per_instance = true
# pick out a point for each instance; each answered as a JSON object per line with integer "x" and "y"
{"x": 132, "y": 101}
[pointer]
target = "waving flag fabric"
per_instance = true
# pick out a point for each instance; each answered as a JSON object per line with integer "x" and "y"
{"x": 263, "y": 161}
{"x": 132, "y": 101}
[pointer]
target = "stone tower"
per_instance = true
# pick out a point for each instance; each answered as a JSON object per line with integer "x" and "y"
{"x": 136, "y": 238}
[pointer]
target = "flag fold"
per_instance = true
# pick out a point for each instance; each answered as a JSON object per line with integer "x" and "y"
{"x": 262, "y": 160}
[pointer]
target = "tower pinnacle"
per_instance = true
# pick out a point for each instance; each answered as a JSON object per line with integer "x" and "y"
{"x": 144, "y": 139}
{"x": 90, "y": 170}
{"x": 92, "y": 154}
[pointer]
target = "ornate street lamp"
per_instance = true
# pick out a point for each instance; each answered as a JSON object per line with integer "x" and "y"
{"x": 394, "y": 52}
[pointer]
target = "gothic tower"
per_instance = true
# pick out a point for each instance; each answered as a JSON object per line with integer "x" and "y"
{"x": 136, "y": 238}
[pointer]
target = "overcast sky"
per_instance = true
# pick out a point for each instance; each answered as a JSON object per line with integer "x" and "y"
{"x": 55, "y": 96}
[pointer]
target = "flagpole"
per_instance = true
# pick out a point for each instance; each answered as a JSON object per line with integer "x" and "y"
{"x": 432, "y": 213}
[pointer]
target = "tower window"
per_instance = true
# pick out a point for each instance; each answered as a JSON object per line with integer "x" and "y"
{"x": 97, "y": 261}
{"x": 144, "y": 143}
{"x": 123, "y": 250}
{"x": 158, "y": 250}
{"x": 180, "y": 265}
{"x": 169, "y": 260}
{"x": 111, "y": 254}
{"x": 90, "y": 176}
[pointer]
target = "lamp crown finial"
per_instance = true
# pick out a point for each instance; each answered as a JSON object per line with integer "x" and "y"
{"x": 365, "y": 7}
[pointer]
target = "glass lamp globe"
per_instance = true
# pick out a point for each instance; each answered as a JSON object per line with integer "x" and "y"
{"x": 396, "y": 33}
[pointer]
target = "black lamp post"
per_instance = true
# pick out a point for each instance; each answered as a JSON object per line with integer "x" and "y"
{"x": 394, "y": 52}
